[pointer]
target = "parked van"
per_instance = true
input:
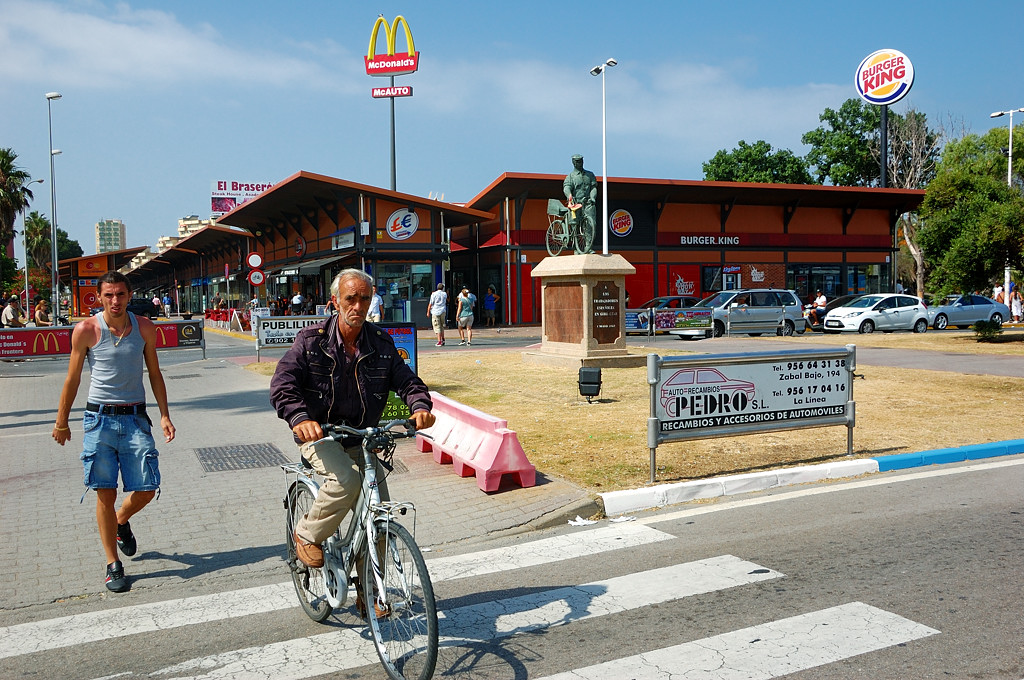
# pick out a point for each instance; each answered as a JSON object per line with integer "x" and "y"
{"x": 756, "y": 311}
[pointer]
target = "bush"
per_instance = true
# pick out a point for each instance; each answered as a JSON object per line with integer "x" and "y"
{"x": 987, "y": 331}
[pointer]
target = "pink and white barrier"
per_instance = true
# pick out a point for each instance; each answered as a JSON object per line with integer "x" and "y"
{"x": 475, "y": 443}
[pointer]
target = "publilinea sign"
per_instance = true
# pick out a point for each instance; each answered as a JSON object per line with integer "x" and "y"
{"x": 884, "y": 77}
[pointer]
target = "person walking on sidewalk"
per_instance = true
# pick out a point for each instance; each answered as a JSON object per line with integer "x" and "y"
{"x": 117, "y": 432}
{"x": 376, "y": 307}
{"x": 437, "y": 310}
{"x": 340, "y": 371}
{"x": 464, "y": 316}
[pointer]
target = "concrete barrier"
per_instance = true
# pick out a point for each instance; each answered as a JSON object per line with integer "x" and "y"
{"x": 476, "y": 443}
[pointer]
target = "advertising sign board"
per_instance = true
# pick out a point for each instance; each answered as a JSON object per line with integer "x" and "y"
{"x": 732, "y": 394}
{"x": 884, "y": 77}
{"x": 404, "y": 335}
{"x": 696, "y": 319}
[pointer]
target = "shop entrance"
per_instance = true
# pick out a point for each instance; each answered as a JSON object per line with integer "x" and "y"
{"x": 405, "y": 289}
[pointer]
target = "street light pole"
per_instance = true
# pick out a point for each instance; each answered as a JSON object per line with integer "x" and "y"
{"x": 24, "y": 234}
{"x": 599, "y": 70}
{"x": 1009, "y": 183}
{"x": 54, "y": 293}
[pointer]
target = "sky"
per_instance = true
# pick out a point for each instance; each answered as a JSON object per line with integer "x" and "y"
{"x": 160, "y": 99}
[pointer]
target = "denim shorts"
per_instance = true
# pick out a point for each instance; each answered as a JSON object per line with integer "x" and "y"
{"x": 112, "y": 442}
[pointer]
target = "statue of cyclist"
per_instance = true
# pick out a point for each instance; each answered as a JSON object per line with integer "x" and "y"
{"x": 580, "y": 187}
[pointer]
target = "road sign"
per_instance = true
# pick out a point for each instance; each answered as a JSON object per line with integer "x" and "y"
{"x": 257, "y": 277}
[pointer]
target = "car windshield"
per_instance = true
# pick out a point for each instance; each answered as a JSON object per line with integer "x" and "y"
{"x": 866, "y": 301}
{"x": 654, "y": 302}
{"x": 717, "y": 300}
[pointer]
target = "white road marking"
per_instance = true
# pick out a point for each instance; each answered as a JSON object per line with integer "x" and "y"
{"x": 834, "y": 488}
{"x": 67, "y": 631}
{"x": 766, "y": 651}
{"x": 344, "y": 650}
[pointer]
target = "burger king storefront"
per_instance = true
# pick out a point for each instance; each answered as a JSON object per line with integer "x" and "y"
{"x": 309, "y": 227}
{"x": 693, "y": 237}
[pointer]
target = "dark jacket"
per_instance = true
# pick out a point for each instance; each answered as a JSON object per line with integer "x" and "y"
{"x": 307, "y": 376}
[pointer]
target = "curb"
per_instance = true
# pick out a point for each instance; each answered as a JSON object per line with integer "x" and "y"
{"x": 633, "y": 500}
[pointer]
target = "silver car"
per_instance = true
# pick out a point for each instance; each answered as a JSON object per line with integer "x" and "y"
{"x": 756, "y": 311}
{"x": 965, "y": 310}
{"x": 886, "y": 312}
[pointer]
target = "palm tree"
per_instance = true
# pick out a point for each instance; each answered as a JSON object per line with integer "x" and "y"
{"x": 14, "y": 194}
{"x": 37, "y": 236}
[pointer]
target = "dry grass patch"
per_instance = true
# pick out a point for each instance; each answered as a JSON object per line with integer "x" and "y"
{"x": 603, "y": 446}
{"x": 1010, "y": 342}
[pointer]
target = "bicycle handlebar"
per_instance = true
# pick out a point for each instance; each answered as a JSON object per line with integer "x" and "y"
{"x": 332, "y": 431}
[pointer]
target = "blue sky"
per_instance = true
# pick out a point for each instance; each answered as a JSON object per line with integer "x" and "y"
{"x": 162, "y": 98}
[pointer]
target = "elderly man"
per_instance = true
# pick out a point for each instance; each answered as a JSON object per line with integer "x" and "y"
{"x": 341, "y": 371}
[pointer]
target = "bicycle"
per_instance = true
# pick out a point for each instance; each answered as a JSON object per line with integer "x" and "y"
{"x": 567, "y": 226}
{"x": 397, "y": 595}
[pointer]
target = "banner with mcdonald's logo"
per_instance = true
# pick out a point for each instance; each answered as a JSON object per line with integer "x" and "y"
{"x": 16, "y": 343}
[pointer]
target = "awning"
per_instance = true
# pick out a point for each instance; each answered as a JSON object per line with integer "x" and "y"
{"x": 496, "y": 240}
{"x": 313, "y": 266}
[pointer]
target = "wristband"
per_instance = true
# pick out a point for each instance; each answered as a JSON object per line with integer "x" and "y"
{"x": 62, "y": 429}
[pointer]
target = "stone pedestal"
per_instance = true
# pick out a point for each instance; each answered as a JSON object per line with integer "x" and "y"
{"x": 583, "y": 302}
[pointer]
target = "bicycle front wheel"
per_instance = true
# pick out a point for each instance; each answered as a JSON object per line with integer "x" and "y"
{"x": 309, "y": 583}
{"x": 403, "y": 619}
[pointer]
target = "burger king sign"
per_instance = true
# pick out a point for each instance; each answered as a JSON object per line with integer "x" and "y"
{"x": 884, "y": 77}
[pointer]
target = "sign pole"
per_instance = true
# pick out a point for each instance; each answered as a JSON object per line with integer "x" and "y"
{"x": 394, "y": 183}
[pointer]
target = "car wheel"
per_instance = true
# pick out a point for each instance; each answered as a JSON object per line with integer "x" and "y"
{"x": 940, "y": 322}
{"x": 719, "y": 329}
{"x": 921, "y": 325}
{"x": 867, "y": 327}
{"x": 787, "y": 328}
{"x": 997, "y": 319}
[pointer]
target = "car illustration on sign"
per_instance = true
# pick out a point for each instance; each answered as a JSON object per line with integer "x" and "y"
{"x": 699, "y": 391}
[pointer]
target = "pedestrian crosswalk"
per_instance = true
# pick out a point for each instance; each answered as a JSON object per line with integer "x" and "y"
{"x": 767, "y": 650}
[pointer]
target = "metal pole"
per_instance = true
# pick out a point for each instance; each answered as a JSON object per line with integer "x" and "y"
{"x": 1009, "y": 183}
{"x": 394, "y": 183}
{"x": 604, "y": 166}
{"x": 54, "y": 293}
{"x": 24, "y": 233}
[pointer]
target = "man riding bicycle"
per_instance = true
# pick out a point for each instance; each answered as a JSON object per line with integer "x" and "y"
{"x": 341, "y": 371}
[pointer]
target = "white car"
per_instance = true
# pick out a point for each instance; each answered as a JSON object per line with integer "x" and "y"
{"x": 885, "y": 312}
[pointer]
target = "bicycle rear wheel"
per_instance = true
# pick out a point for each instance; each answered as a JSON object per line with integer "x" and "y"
{"x": 555, "y": 239}
{"x": 403, "y": 620}
{"x": 309, "y": 583}
{"x": 584, "y": 236}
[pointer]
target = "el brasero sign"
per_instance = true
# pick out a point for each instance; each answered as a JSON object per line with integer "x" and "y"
{"x": 392, "y": 63}
{"x": 884, "y": 77}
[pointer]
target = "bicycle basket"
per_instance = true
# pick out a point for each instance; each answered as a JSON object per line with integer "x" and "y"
{"x": 555, "y": 207}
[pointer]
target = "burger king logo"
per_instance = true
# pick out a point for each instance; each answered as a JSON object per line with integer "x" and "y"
{"x": 884, "y": 77}
{"x": 402, "y": 224}
{"x": 620, "y": 223}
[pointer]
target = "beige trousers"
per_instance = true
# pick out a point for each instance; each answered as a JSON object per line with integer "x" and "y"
{"x": 342, "y": 469}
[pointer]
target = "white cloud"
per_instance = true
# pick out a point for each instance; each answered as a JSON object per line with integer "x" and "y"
{"x": 92, "y": 46}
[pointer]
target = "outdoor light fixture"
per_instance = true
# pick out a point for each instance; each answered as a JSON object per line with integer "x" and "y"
{"x": 590, "y": 382}
{"x": 599, "y": 71}
{"x": 54, "y": 293}
{"x": 1009, "y": 183}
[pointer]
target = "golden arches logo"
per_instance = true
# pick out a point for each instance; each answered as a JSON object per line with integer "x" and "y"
{"x": 392, "y": 63}
{"x": 46, "y": 338}
{"x": 163, "y": 338}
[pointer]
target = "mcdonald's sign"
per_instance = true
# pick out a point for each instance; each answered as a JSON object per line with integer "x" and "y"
{"x": 391, "y": 63}
{"x": 41, "y": 343}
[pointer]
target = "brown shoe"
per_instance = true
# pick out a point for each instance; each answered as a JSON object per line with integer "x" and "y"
{"x": 309, "y": 554}
{"x": 361, "y": 608}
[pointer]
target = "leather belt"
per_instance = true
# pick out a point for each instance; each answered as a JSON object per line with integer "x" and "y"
{"x": 117, "y": 409}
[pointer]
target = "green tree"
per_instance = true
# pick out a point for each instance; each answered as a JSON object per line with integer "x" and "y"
{"x": 841, "y": 150}
{"x": 757, "y": 162}
{"x": 14, "y": 193}
{"x": 37, "y": 236}
{"x": 67, "y": 248}
{"x": 973, "y": 221}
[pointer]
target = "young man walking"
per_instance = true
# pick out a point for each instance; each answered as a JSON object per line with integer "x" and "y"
{"x": 117, "y": 432}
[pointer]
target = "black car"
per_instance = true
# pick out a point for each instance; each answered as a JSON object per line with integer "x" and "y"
{"x": 832, "y": 304}
{"x": 138, "y": 307}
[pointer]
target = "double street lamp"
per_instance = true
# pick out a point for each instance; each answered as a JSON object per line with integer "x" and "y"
{"x": 54, "y": 293}
{"x": 599, "y": 71}
{"x": 1009, "y": 183}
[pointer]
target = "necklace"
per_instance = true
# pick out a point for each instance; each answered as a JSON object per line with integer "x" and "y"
{"x": 123, "y": 334}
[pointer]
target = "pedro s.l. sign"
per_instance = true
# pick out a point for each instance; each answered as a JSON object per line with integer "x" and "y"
{"x": 884, "y": 77}
{"x": 391, "y": 63}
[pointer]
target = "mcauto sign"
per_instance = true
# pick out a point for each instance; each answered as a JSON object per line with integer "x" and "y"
{"x": 392, "y": 62}
{"x": 884, "y": 77}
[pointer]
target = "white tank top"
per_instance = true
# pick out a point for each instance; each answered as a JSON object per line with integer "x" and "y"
{"x": 117, "y": 368}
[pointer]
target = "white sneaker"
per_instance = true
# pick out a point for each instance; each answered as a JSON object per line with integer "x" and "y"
{"x": 463, "y": 342}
